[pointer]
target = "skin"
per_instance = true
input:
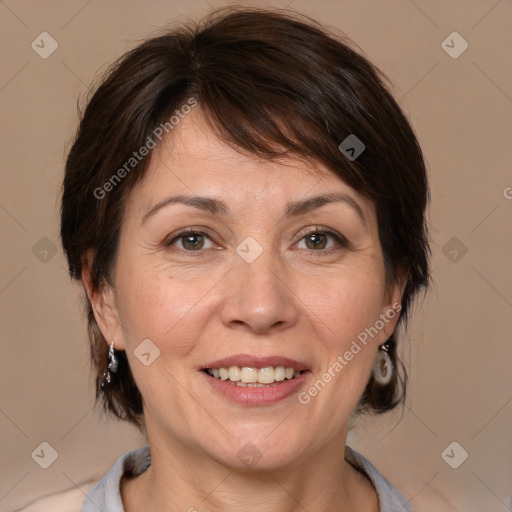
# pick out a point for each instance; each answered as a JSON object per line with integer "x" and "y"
{"x": 201, "y": 301}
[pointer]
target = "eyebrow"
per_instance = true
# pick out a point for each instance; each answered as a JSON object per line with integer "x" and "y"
{"x": 292, "y": 209}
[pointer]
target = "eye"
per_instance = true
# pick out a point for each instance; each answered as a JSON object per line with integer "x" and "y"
{"x": 191, "y": 241}
{"x": 316, "y": 239}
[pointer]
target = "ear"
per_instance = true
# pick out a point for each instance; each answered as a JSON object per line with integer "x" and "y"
{"x": 392, "y": 305}
{"x": 104, "y": 306}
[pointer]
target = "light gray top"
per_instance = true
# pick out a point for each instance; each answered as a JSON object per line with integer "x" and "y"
{"x": 106, "y": 497}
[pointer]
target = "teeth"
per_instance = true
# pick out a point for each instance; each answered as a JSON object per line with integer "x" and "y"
{"x": 234, "y": 374}
{"x": 254, "y": 377}
{"x": 252, "y": 385}
{"x": 249, "y": 375}
{"x": 279, "y": 373}
{"x": 266, "y": 375}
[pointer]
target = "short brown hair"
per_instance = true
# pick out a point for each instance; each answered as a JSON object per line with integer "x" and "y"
{"x": 271, "y": 84}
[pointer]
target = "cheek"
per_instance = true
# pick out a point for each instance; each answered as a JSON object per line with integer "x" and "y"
{"x": 165, "y": 310}
{"x": 346, "y": 304}
{"x": 158, "y": 305}
{"x": 348, "y": 307}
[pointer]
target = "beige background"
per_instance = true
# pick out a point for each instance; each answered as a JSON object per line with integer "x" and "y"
{"x": 459, "y": 342}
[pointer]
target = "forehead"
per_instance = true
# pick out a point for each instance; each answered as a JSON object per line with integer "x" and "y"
{"x": 193, "y": 147}
{"x": 192, "y": 159}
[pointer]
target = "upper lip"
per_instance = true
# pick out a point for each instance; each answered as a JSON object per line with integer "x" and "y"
{"x": 256, "y": 362}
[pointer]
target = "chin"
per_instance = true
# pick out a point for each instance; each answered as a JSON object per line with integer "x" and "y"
{"x": 253, "y": 453}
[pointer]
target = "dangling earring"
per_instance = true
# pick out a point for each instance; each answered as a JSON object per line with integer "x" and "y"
{"x": 113, "y": 365}
{"x": 383, "y": 367}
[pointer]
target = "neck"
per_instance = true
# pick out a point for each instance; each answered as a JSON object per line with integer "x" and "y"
{"x": 179, "y": 479}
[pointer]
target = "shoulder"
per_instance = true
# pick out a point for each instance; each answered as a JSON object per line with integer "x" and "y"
{"x": 68, "y": 501}
{"x": 105, "y": 496}
{"x": 390, "y": 498}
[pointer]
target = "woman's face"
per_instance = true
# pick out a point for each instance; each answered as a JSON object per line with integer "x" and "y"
{"x": 270, "y": 279}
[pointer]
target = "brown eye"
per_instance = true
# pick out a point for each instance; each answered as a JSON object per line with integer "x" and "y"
{"x": 317, "y": 240}
{"x": 191, "y": 241}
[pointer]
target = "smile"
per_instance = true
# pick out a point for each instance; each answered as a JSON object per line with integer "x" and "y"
{"x": 255, "y": 381}
{"x": 247, "y": 376}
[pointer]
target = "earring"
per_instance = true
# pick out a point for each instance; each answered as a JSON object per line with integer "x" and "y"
{"x": 383, "y": 367}
{"x": 113, "y": 365}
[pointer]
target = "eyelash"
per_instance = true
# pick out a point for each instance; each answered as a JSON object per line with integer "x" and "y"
{"x": 341, "y": 240}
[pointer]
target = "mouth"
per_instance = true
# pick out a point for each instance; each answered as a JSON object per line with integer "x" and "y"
{"x": 256, "y": 380}
{"x": 251, "y": 377}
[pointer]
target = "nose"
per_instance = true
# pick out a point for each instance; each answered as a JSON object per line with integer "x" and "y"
{"x": 258, "y": 296}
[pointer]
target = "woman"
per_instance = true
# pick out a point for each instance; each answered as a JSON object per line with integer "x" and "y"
{"x": 245, "y": 204}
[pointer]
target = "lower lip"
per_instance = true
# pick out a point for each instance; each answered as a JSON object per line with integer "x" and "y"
{"x": 257, "y": 396}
